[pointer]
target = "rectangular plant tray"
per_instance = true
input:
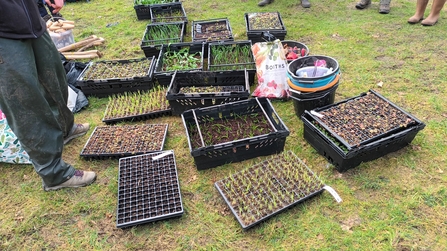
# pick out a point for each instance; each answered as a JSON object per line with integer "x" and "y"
{"x": 148, "y": 189}
{"x": 151, "y": 46}
{"x": 137, "y": 106}
{"x": 268, "y": 188}
{"x": 237, "y": 55}
{"x": 103, "y": 78}
{"x": 168, "y": 13}
{"x": 206, "y": 89}
{"x": 123, "y": 141}
{"x": 209, "y": 156}
{"x": 210, "y": 30}
{"x": 193, "y": 49}
{"x": 343, "y": 155}
{"x": 143, "y": 7}
{"x": 254, "y": 31}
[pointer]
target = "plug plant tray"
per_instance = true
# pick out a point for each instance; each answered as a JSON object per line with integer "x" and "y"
{"x": 258, "y": 22}
{"x": 123, "y": 141}
{"x": 359, "y": 129}
{"x": 233, "y": 132}
{"x": 268, "y": 188}
{"x": 103, "y": 78}
{"x": 143, "y": 7}
{"x": 180, "y": 57}
{"x": 157, "y": 34}
{"x": 137, "y": 106}
{"x": 148, "y": 189}
{"x": 202, "y": 89}
{"x": 167, "y": 13}
{"x": 218, "y": 29}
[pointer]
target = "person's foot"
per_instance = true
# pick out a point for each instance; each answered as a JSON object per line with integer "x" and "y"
{"x": 265, "y": 2}
{"x": 414, "y": 20}
{"x": 305, "y": 3}
{"x": 77, "y": 131}
{"x": 384, "y": 6}
{"x": 79, "y": 179}
{"x": 430, "y": 21}
{"x": 363, "y": 4}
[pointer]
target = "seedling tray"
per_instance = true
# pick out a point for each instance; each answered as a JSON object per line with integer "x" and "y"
{"x": 254, "y": 31}
{"x": 205, "y": 89}
{"x": 143, "y": 11}
{"x": 218, "y": 29}
{"x": 330, "y": 139}
{"x": 148, "y": 189}
{"x": 151, "y": 46}
{"x": 191, "y": 49}
{"x": 167, "y": 13}
{"x": 211, "y": 155}
{"x": 137, "y": 106}
{"x": 123, "y": 141}
{"x": 268, "y": 188}
{"x": 232, "y": 56}
{"x": 103, "y": 78}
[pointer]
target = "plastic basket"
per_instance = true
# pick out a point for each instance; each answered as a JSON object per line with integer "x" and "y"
{"x": 152, "y": 47}
{"x": 256, "y": 35}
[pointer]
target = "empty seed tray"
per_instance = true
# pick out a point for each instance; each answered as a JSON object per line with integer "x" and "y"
{"x": 201, "y": 89}
{"x": 234, "y": 132}
{"x": 167, "y": 13}
{"x": 124, "y": 140}
{"x": 359, "y": 129}
{"x": 265, "y": 189}
{"x": 157, "y": 34}
{"x": 258, "y": 22}
{"x": 148, "y": 189}
{"x": 103, "y": 78}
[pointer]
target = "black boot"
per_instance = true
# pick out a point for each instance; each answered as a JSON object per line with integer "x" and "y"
{"x": 305, "y": 3}
{"x": 265, "y": 2}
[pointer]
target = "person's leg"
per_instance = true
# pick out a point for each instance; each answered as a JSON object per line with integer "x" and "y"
{"x": 30, "y": 115}
{"x": 421, "y": 5}
{"x": 435, "y": 11}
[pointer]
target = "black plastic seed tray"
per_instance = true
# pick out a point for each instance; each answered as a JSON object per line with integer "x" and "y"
{"x": 209, "y": 156}
{"x": 124, "y": 140}
{"x": 139, "y": 117}
{"x": 193, "y": 49}
{"x": 168, "y": 13}
{"x": 206, "y": 89}
{"x": 255, "y": 34}
{"x": 210, "y": 30}
{"x": 345, "y": 156}
{"x": 148, "y": 189}
{"x": 143, "y": 11}
{"x": 103, "y": 78}
{"x": 267, "y": 188}
{"x": 151, "y": 47}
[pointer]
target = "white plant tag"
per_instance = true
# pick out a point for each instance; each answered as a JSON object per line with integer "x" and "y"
{"x": 316, "y": 114}
{"x": 333, "y": 193}
{"x": 161, "y": 155}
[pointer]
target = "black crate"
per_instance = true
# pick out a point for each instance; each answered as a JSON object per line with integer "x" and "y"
{"x": 210, "y": 156}
{"x": 164, "y": 77}
{"x": 211, "y": 30}
{"x": 125, "y": 140}
{"x": 168, "y": 13}
{"x": 234, "y": 87}
{"x": 345, "y": 156}
{"x": 249, "y": 65}
{"x": 151, "y": 47}
{"x": 255, "y": 34}
{"x": 268, "y": 188}
{"x": 143, "y": 11}
{"x": 115, "y": 84}
{"x": 148, "y": 189}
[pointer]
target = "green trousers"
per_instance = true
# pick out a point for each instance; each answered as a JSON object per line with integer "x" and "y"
{"x": 33, "y": 96}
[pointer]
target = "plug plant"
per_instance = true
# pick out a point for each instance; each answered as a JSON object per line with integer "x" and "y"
{"x": 231, "y": 57}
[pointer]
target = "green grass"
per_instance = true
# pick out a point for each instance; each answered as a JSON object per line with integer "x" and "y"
{"x": 397, "y": 202}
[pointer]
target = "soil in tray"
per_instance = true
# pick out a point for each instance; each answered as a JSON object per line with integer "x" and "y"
{"x": 257, "y": 192}
{"x": 212, "y": 31}
{"x": 364, "y": 118}
{"x": 109, "y": 140}
{"x": 226, "y": 130}
{"x": 136, "y": 103}
{"x": 118, "y": 70}
{"x": 264, "y": 21}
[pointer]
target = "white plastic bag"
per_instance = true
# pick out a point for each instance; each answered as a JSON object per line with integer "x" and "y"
{"x": 271, "y": 70}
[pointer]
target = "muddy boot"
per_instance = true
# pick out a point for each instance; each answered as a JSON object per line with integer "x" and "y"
{"x": 265, "y": 2}
{"x": 384, "y": 6}
{"x": 420, "y": 9}
{"x": 363, "y": 4}
{"x": 432, "y": 18}
{"x": 305, "y": 3}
